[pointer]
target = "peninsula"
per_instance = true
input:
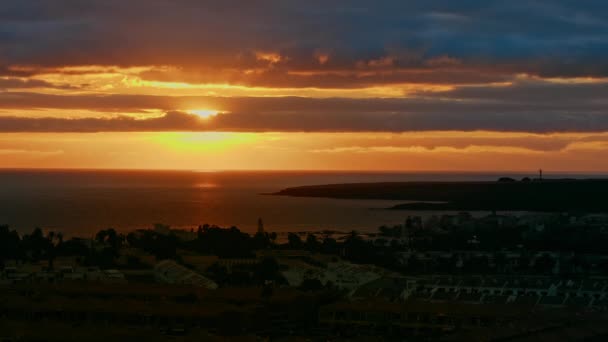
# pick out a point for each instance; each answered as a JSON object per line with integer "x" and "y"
{"x": 554, "y": 195}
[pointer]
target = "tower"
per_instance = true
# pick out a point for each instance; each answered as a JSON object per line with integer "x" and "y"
{"x": 260, "y": 225}
{"x": 540, "y": 174}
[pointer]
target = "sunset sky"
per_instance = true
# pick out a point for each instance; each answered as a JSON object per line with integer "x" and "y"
{"x": 351, "y": 85}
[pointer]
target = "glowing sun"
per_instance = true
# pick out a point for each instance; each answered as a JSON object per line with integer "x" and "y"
{"x": 204, "y": 113}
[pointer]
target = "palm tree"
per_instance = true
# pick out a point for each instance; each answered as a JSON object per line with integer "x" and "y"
{"x": 51, "y": 249}
{"x": 353, "y": 235}
{"x": 273, "y": 237}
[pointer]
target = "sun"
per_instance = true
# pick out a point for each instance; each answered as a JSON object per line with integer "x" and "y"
{"x": 204, "y": 113}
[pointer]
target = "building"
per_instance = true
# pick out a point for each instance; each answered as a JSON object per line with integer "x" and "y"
{"x": 343, "y": 275}
{"x": 170, "y": 272}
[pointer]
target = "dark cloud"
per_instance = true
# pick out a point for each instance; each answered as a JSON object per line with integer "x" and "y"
{"x": 105, "y": 103}
{"x": 531, "y": 91}
{"x": 407, "y": 122}
{"x": 317, "y": 122}
{"x": 528, "y": 105}
{"x": 548, "y": 38}
{"x": 344, "y": 44}
{"x": 21, "y": 83}
{"x": 523, "y": 95}
{"x": 171, "y": 121}
{"x": 358, "y": 77}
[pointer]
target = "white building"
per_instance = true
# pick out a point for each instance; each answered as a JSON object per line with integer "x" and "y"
{"x": 170, "y": 272}
{"x": 343, "y": 275}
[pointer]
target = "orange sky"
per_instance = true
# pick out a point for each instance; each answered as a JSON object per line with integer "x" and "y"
{"x": 305, "y": 151}
{"x": 124, "y": 133}
{"x": 338, "y": 86}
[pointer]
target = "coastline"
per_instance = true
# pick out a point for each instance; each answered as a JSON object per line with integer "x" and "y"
{"x": 554, "y": 195}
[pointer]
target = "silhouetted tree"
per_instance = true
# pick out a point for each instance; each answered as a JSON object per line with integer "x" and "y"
{"x": 10, "y": 245}
{"x": 273, "y": 237}
{"x": 312, "y": 244}
{"x": 226, "y": 243}
{"x": 329, "y": 246}
{"x": 36, "y": 245}
{"x": 261, "y": 240}
{"x": 294, "y": 241}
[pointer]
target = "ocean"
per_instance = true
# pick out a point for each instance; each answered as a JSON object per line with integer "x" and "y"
{"x": 79, "y": 203}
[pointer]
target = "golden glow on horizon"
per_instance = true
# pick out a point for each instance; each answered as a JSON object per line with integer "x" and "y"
{"x": 441, "y": 151}
{"x": 203, "y": 141}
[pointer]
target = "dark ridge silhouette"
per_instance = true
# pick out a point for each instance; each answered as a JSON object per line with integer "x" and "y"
{"x": 553, "y": 195}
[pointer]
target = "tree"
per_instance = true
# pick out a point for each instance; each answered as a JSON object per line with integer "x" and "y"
{"x": 357, "y": 250}
{"x": 101, "y": 236}
{"x": 329, "y": 246}
{"x": 113, "y": 238}
{"x": 10, "y": 245}
{"x": 131, "y": 239}
{"x": 268, "y": 270}
{"x": 53, "y": 245}
{"x": 73, "y": 246}
{"x": 312, "y": 244}
{"x": 261, "y": 240}
{"x": 273, "y": 237}
{"x": 294, "y": 240}
{"x": 226, "y": 243}
{"x": 35, "y": 244}
{"x": 353, "y": 235}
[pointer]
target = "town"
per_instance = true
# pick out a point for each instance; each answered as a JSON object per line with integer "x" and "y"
{"x": 448, "y": 277}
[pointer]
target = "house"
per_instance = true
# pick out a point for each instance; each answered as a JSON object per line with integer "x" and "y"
{"x": 170, "y": 272}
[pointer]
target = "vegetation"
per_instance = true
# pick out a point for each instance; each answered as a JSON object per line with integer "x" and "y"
{"x": 470, "y": 245}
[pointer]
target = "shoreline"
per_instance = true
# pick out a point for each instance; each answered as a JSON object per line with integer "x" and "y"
{"x": 553, "y": 195}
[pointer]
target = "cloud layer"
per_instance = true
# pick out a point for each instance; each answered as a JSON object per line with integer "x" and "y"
{"x": 339, "y": 43}
{"x": 339, "y": 66}
{"x": 523, "y": 106}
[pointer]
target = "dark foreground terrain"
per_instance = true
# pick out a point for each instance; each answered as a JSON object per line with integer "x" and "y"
{"x": 454, "y": 277}
{"x": 532, "y": 195}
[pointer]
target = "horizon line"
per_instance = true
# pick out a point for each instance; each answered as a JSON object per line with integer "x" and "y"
{"x": 533, "y": 171}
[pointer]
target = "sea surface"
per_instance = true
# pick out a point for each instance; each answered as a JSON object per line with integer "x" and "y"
{"x": 79, "y": 203}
